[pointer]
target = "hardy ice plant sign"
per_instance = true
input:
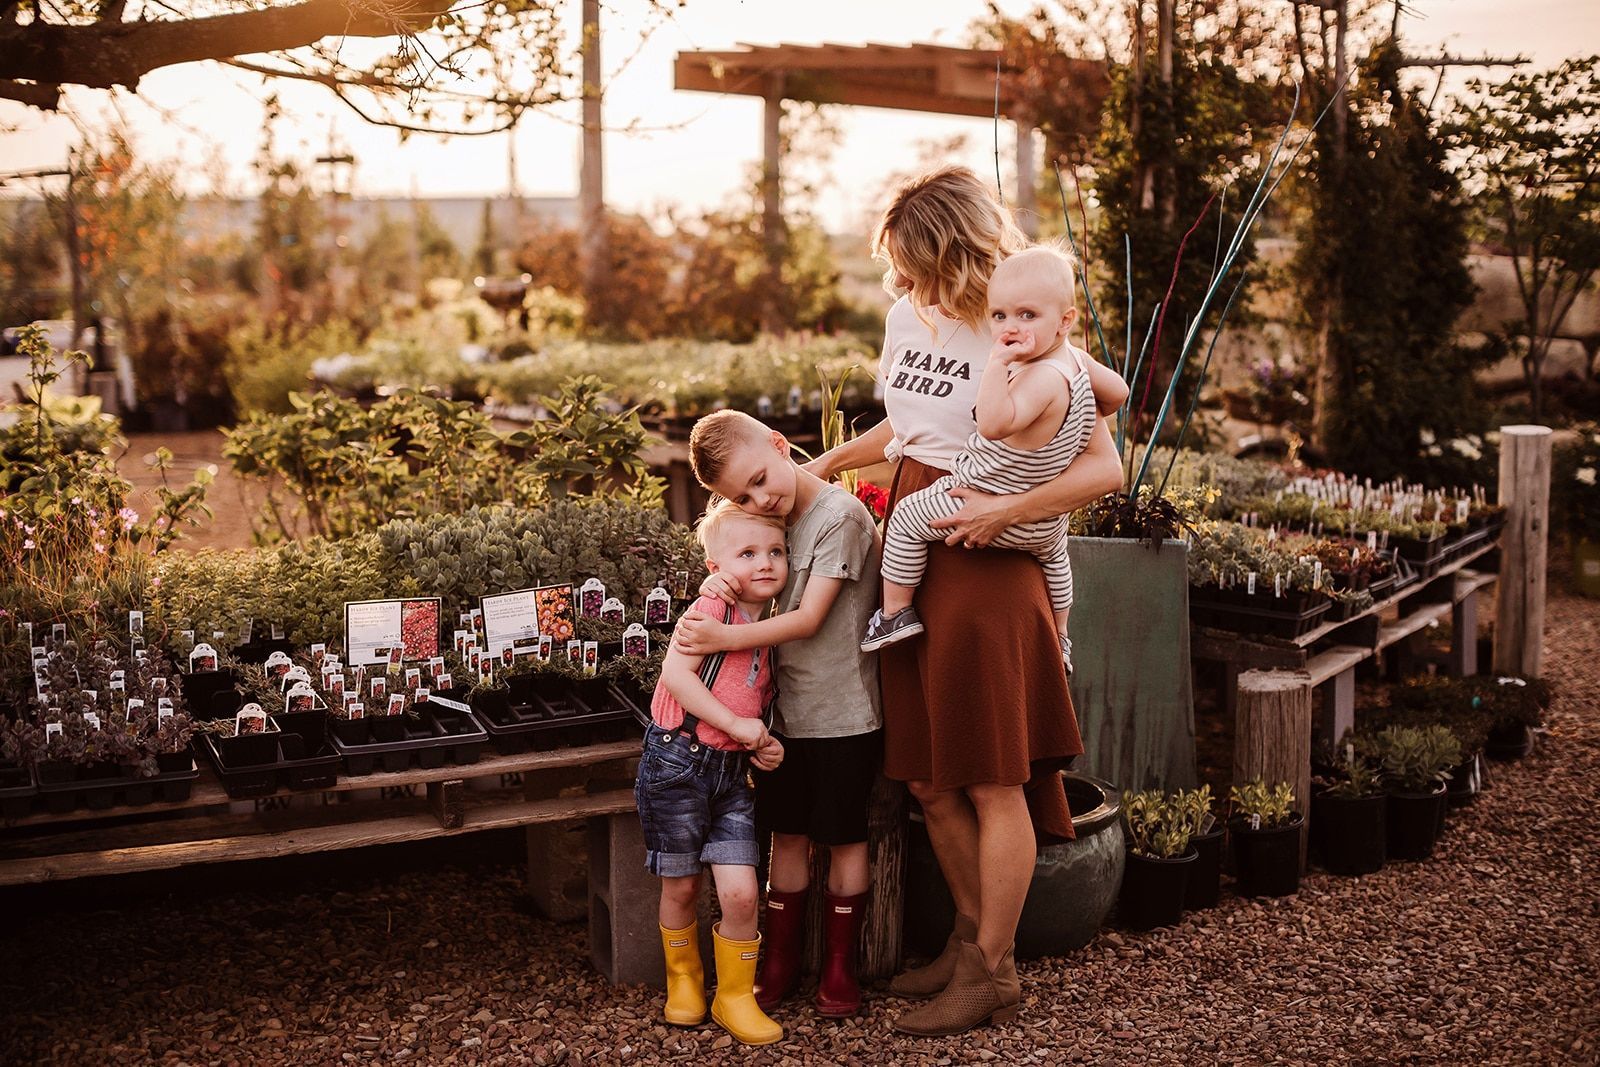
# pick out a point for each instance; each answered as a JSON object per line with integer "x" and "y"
{"x": 509, "y": 618}
{"x": 592, "y": 596}
{"x": 554, "y": 604}
{"x": 377, "y": 631}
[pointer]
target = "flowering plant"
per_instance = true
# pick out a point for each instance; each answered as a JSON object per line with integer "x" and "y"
{"x": 1574, "y": 485}
{"x": 875, "y": 497}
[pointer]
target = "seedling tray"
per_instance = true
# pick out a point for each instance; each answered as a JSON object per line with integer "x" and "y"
{"x": 211, "y": 694}
{"x": 429, "y": 743}
{"x": 1266, "y": 621}
{"x": 582, "y": 713}
{"x": 1425, "y": 556}
{"x": 17, "y": 790}
{"x": 101, "y": 793}
{"x": 299, "y": 765}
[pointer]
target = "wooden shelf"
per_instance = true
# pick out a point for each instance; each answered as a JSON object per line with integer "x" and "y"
{"x": 208, "y": 791}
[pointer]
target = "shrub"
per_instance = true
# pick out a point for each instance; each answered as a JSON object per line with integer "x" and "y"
{"x": 1415, "y": 760}
{"x": 1157, "y": 825}
{"x": 264, "y": 362}
{"x": 1274, "y": 804}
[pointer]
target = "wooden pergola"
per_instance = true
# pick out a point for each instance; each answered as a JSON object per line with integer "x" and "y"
{"x": 917, "y": 77}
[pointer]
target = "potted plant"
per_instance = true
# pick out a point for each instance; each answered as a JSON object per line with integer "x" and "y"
{"x": 1349, "y": 809}
{"x": 1575, "y": 505}
{"x": 1207, "y": 834}
{"x": 1416, "y": 764}
{"x": 1265, "y": 831}
{"x": 1158, "y": 861}
{"x": 1514, "y": 708}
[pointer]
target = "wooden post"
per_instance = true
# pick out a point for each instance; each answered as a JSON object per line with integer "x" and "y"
{"x": 772, "y": 230}
{"x": 594, "y": 252}
{"x": 1027, "y": 213}
{"x": 1525, "y": 492}
{"x": 1272, "y": 735}
{"x": 1464, "y": 637}
{"x": 883, "y": 924}
{"x": 447, "y": 801}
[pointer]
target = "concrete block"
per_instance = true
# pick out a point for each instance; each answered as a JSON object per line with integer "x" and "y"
{"x": 558, "y": 869}
{"x": 624, "y": 906}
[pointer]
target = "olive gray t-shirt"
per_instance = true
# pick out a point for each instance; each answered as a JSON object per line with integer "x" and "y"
{"x": 828, "y": 687}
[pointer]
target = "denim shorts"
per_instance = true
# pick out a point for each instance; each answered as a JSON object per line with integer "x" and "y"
{"x": 696, "y": 804}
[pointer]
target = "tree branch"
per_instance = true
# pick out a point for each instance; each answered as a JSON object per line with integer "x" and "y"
{"x": 105, "y": 55}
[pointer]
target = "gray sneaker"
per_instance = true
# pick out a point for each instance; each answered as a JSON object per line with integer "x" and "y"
{"x": 1066, "y": 653}
{"x": 882, "y": 632}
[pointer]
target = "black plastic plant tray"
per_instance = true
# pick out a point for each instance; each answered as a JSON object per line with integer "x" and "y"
{"x": 293, "y": 769}
{"x": 99, "y": 794}
{"x": 427, "y": 744}
{"x": 1425, "y": 556}
{"x": 1255, "y": 620}
{"x": 204, "y": 691}
{"x": 17, "y": 790}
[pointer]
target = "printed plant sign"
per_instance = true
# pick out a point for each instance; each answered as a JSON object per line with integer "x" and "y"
{"x": 554, "y": 605}
{"x": 510, "y": 618}
{"x": 593, "y": 597}
{"x": 387, "y": 631}
{"x": 657, "y": 607}
{"x": 636, "y": 641}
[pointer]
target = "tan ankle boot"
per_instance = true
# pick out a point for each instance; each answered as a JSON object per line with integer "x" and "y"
{"x": 920, "y": 983}
{"x": 975, "y": 995}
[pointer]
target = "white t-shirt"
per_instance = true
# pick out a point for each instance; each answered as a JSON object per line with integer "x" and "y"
{"x": 930, "y": 382}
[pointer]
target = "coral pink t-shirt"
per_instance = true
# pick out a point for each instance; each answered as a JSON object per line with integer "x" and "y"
{"x": 743, "y": 685}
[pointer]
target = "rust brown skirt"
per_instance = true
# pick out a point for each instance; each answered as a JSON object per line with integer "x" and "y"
{"x": 981, "y": 697}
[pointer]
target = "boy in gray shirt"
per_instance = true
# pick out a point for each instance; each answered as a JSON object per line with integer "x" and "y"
{"x": 828, "y": 710}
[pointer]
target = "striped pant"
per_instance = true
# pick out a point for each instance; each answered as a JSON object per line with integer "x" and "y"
{"x": 910, "y": 531}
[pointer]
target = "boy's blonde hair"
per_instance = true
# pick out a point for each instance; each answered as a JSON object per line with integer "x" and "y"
{"x": 714, "y": 439}
{"x": 719, "y": 513}
{"x": 1051, "y": 261}
{"x": 947, "y": 233}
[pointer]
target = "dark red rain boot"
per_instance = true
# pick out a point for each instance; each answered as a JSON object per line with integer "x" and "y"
{"x": 838, "y": 993}
{"x": 780, "y": 962}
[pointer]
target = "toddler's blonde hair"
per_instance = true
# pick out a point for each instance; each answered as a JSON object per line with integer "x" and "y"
{"x": 945, "y": 233}
{"x": 719, "y": 513}
{"x": 1051, "y": 260}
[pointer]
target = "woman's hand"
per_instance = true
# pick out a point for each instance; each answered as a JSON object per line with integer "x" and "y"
{"x": 818, "y": 467}
{"x": 722, "y": 586}
{"x": 697, "y": 634}
{"x": 982, "y": 518}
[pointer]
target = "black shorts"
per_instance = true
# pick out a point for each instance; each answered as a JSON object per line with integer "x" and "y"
{"x": 822, "y": 787}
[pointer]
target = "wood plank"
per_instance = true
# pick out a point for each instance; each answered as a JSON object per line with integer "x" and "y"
{"x": 1312, "y": 636}
{"x": 208, "y": 791}
{"x": 1335, "y": 661}
{"x": 1394, "y": 632}
{"x": 409, "y": 827}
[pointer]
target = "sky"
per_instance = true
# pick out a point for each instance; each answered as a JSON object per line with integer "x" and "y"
{"x": 690, "y": 149}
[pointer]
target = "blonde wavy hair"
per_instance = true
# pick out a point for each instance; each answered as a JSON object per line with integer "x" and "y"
{"x": 944, "y": 232}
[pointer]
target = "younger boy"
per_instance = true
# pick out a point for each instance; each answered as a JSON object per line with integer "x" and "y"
{"x": 828, "y": 718}
{"x": 695, "y": 797}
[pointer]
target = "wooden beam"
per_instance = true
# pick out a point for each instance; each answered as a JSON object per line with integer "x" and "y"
{"x": 1525, "y": 491}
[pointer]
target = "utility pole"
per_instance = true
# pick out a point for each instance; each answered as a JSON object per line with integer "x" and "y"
{"x": 338, "y": 220}
{"x": 594, "y": 253}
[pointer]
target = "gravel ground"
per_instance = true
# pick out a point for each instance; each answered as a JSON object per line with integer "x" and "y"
{"x": 1486, "y": 954}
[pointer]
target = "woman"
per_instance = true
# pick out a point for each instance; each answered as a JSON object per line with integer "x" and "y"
{"x": 977, "y": 715}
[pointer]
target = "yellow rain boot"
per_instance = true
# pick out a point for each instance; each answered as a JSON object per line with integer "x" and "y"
{"x": 686, "y": 976}
{"x": 735, "y": 1008}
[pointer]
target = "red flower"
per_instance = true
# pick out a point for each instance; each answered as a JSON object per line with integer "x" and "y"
{"x": 875, "y": 497}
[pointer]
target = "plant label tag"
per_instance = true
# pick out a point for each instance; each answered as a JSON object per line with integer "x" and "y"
{"x": 574, "y": 651}
{"x": 396, "y": 654}
{"x": 486, "y": 673}
{"x": 379, "y": 687}
{"x": 351, "y": 698}
{"x": 335, "y": 687}
{"x": 397, "y": 703}
{"x": 27, "y": 632}
{"x": 1372, "y": 540}
{"x": 547, "y": 647}
{"x": 117, "y": 684}
{"x": 250, "y": 720}
{"x": 141, "y": 656}
{"x": 278, "y": 665}
{"x": 474, "y": 659}
{"x": 680, "y": 585}
{"x": 360, "y": 672}
{"x": 508, "y": 655}
{"x": 591, "y": 657}
{"x": 611, "y": 611}
{"x": 134, "y": 704}
{"x": 763, "y": 407}
{"x": 40, "y": 654}
{"x": 219, "y": 637}
{"x": 294, "y": 676}
{"x": 92, "y": 719}
{"x": 58, "y": 633}
{"x": 51, "y": 729}
{"x": 1349, "y": 753}
{"x": 413, "y": 677}
{"x": 202, "y": 659}
{"x": 464, "y": 620}
{"x": 476, "y": 620}
{"x": 1277, "y": 585}
{"x": 1316, "y": 573}
{"x": 301, "y": 697}
{"x": 461, "y": 642}
{"x": 1250, "y": 583}
{"x": 277, "y": 632}
{"x": 355, "y": 710}
{"x": 795, "y": 398}
{"x": 591, "y": 596}
{"x": 421, "y": 696}
{"x": 186, "y": 637}
{"x": 135, "y": 623}
{"x": 444, "y": 681}
{"x": 319, "y": 652}
{"x": 657, "y": 607}
{"x": 636, "y": 641}
{"x": 436, "y": 667}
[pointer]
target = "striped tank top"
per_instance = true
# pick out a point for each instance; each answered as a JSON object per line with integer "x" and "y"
{"x": 996, "y": 467}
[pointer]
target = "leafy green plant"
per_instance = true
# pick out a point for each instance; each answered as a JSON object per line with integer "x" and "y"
{"x": 1157, "y": 825}
{"x": 1415, "y": 760}
{"x": 1194, "y": 808}
{"x": 1353, "y": 773}
{"x": 1274, "y": 803}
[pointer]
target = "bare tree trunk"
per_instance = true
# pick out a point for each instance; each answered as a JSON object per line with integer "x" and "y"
{"x": 1166, "y": 179}
{"x": 591, "y": 182}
